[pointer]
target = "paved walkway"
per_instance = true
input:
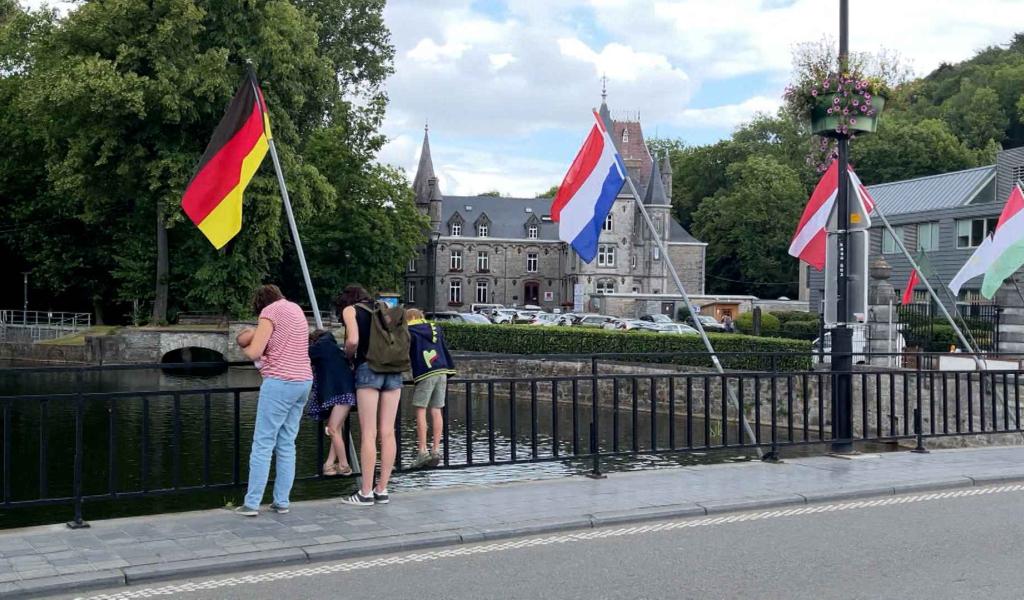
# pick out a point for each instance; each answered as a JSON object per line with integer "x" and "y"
{"x": 53, "y": 558}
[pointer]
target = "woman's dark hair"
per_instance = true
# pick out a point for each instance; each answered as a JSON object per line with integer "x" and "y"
{"x": 352, "y": 294}
{"x": 317, "y": 334}
{"x": 265, "y": 296}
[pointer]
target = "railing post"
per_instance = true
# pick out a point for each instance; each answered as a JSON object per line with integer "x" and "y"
{"x": 595, "y": 472}
{"x": 78, "y": 522}
{"x": 919, "y": 447}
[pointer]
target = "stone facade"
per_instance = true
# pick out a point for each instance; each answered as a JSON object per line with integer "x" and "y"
{"x": 506, "y": 250}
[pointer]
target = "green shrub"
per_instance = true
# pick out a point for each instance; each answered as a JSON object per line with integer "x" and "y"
{"x": 682, "y": 314}
{"x": 530, "y": 339}
{"x": 769, "y": 324}
{"x": 785, "y": 316}
{"x": 799, "y": 330}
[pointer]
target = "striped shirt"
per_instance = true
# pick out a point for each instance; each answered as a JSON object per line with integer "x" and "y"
{"x": 287, "y": 354}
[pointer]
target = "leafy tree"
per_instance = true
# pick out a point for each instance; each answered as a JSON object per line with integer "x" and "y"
{"x": 120, "y": 98}
{"x": 491, "y": 194}
{"x": 550, "y": 193}
{"x": 975, "y": 115}
{"x": 748, "y": 224}
{"x": 902, "y": 149}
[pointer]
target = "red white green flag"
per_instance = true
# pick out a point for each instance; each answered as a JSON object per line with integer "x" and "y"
{"x": 999, "y": 255}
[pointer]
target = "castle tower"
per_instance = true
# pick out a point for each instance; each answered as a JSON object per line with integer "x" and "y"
{"x": 425, "y": 187}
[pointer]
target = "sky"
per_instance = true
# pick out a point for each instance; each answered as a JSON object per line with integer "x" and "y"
{"x": 507, "y": 86}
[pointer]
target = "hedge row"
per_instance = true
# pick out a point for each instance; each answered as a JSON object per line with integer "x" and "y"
{"x": 530, "y": 339}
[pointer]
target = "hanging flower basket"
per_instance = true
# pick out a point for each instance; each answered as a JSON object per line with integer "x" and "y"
{"x": 836, "y": 115}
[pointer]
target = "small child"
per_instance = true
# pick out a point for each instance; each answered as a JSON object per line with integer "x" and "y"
{"x": 332, "y": 396}
{"x": 431, "y": 367}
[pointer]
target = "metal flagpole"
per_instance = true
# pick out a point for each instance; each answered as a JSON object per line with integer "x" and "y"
{"x": 696, "y": 322}
{"x": 288, "y": 207}
{"x": 295, "y": 235}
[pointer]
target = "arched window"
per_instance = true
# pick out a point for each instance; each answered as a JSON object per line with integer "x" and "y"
{"x": 606, "y": 286}
{"x": 625, "y": 135}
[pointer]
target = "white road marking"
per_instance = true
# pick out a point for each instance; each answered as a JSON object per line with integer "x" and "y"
{"x": 487, "y": 548}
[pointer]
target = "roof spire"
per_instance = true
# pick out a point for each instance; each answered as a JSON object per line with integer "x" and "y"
{"x": 604, "y": 87}
{"x": 421, "y": 185}
{"x": 655, "y": 195}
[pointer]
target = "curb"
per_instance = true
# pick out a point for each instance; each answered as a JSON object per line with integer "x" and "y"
{"x": 454, "y": 537}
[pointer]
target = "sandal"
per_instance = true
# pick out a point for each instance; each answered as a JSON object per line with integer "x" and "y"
{"x": 346, "y": 470}
{"x": 332, "y": 469}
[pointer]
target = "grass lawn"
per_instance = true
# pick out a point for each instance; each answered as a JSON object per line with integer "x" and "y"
{"x": 78, "y": 339}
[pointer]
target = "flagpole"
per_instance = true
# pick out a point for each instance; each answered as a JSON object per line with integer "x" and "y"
{"x": 696, "y": 322}
{"x": 288, "y": 210}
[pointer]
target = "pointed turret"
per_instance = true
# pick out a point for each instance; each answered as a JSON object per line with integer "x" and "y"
{"x": 666, "y": 175}
{"x": 424, "y": 172}
{"x": 603, "y": 112}
{"x": 656, "y": 195}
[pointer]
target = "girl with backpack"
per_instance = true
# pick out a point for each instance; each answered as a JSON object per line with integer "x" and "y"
{"x": 377, "y": 342}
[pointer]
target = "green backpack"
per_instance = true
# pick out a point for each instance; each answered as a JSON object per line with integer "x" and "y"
{"x": 388, "y": 351}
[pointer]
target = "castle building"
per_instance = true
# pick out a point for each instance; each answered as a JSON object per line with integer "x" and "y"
{"x": 502, "y": 250}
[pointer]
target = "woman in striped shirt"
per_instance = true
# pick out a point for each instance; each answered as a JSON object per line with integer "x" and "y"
{"x": 280, "y": 344}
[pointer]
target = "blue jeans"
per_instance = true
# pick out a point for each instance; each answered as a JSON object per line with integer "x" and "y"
{"x": 277, "y": 423}
{"x": 368, "y": 378}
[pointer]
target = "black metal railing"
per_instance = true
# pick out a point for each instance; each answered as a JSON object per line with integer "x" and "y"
{"x": 924, "y": 327}
{"x": 140, "y": 443}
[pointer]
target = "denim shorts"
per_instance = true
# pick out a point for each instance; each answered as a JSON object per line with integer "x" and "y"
{"x": 368, "y": 378}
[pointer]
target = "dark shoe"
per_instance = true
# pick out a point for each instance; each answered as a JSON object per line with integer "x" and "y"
{"x": 281, "y": 510}
{"x": 247, "y": 511}
{"x": 358, "y": 499}
{"x": 380, "y": 498}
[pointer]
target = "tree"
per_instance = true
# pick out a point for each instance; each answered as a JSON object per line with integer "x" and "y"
{"x": 491, "y": 194}
{"x": 550, "y": 193}
{"x": 975, "y": 115}
{"x": 122, "y": 97}
{"x": 748, "y": 225}
{"x": 902, "y": 149}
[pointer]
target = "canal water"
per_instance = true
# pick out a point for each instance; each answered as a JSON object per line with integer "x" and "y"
{"x": 186, "y": 435}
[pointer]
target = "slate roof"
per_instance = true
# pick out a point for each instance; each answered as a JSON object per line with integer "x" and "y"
{"x": 935, "y": 192}
{"x": 676, "y": 233}
{"x": 508, "y": 216}
{"x": 655, "y": 195}
{"x": 424, "y": 172}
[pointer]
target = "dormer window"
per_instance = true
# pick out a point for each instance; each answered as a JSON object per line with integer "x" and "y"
{"x": 481, "y": 230}
{"x": 456, "y": 229}
{"x": 625, "y": 135}
{"x": 531, "y": 232}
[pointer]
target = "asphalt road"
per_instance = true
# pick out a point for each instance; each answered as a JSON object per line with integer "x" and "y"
{"x": 961, "y": 546}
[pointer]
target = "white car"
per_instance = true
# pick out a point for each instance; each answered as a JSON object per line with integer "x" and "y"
{"x": 503, "y": 316}
{"x": 677, "y": 328}
{"x": 545, "y": 319}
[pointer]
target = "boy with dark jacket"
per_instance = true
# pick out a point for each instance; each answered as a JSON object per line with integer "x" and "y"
{"x": 431, "y": 367}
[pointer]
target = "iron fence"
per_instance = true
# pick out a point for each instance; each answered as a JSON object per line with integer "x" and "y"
{"x": 923, "y": 326}
{"x": 197, "y": 438}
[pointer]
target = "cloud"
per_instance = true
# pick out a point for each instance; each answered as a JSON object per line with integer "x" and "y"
{"x": 727, "y": 116}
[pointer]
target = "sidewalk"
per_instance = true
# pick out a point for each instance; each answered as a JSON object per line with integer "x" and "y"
{"x": 52, "y": 558}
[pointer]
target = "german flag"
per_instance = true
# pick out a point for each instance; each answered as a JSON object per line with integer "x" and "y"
{"x": 213, "y": 199}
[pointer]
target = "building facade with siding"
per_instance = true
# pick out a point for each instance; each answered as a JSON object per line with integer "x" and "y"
{"x": 502, "y": 250}
{"x": 943, "y": 217}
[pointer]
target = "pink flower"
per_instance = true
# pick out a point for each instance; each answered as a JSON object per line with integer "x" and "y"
{"x": 863, "y": 108}
{"x": 814, "y": 93}
{"x": 829, "y": 111}
{"x": 825, "y": 84}
{"x": 853, "y": 121}
{"x": 855, "y": 102}
{"x": 867, "y": 98}
{"x": 835, "y": 100}
{"x": 846, "y": 111}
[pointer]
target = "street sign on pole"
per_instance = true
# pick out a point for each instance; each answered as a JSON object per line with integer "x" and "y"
{"x": 858, "y": 220}
{"x": 856, "y": 277}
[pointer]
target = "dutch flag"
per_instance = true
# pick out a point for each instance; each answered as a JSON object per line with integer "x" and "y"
{"x": 588, "y": 192}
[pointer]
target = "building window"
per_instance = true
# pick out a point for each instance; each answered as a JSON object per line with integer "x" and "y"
{"x": 970, "y": 232}
{"x": 456, "y": 261}
{"x": 481, "y": 291}
{"x": 483, "y": 262}
{"x": 927, "y": 237}
{"x": 606, "y": 255}
{"x": 455, "y": 292}
{"x": 531, "y": 232}
{"x": 636, "y": 289}
{"x": 632, "y": 261}
{"x": 1017, "y": 175}
{"x": 481, "y": 231}
{"x": 456, "y": 229}
{"x": 889, "y": 245}
{"x": 410, "y": 292}
{"x": 531, "y": 262}
{"x": 657, "y": 253}
{"x": 607, "y": 226}
{"x": 606, "y": 286}
{"x": 412, "y": 265}
{"x": 625, "y": 135}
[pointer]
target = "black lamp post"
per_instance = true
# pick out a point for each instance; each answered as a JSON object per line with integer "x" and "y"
{"x": 842, "y": 335}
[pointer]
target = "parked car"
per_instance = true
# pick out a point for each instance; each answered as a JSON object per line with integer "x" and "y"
{"x": 676, "y": 328}
{"x": 593, "y": 320}
{"x": 525, "y": 315}
{"x": 708, "y": 322}
{"x": 568, "y": 319}
{"x": 457, "y": 317}
{"x": 656, "y": 318}
{"x": 545, "y": 319}
{"x": 503, "y": 316}
{"x": 483, "y": 308}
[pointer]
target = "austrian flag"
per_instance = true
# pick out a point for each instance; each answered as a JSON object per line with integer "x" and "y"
{"x": 809, "y": 241}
